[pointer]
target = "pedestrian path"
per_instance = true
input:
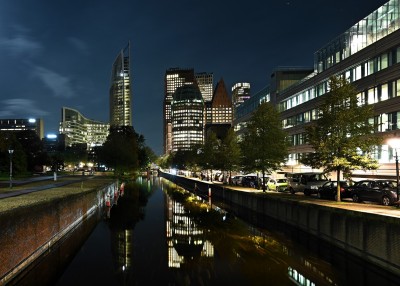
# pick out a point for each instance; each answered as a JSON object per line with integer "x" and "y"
{"x": 366, "y": 207}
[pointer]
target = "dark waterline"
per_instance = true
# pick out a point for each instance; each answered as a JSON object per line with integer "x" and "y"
{"x": 150, "y": 239}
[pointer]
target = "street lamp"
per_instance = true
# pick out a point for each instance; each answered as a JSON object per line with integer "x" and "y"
{"x": 395, "y": 144}
{"x": 10, "y": 151}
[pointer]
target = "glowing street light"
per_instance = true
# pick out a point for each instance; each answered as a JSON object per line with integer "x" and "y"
{"x": 10, "y": 151}
{"x": 395, "y": 144}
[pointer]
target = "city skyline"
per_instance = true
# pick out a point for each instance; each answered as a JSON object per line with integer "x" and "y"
{"x": 61, "y": 54}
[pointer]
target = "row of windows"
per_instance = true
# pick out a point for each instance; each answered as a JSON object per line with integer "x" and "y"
{"x": 372, "y": 28}
{"x": 355, "y": 73}
{"x": 371, "y": 96}
{"x": 383, "y": 154}
{"x": 384, "y": 122}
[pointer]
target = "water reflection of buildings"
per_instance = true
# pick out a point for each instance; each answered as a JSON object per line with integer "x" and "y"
{"x": 185, "y": 240}
{"x": 302, "y": 270}
{"x": 122, "y": 222}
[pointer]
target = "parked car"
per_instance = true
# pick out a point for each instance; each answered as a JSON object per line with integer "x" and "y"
{"x": 250, "y": 181}
{"x": 308, "y": 183}
{"x": 237, "y": 180}
{"x": 329, "y": 190}
{"x": 279, "y": 185}
{"x": 380, "y": 191}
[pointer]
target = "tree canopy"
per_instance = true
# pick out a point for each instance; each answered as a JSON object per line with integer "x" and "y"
{"x": 264, "y": 144}
{"x": 342, "y": 137}
{"x": 120, "y": 151}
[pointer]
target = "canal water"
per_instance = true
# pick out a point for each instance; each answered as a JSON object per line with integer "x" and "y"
{"x": 158, "y": 234}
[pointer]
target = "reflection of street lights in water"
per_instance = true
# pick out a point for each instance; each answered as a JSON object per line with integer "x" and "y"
{"x": 10, "y": 151}
{"x": 395, "y": 144}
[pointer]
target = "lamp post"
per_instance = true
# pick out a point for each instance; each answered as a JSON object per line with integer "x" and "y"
{"x": 10, "y": 151}
{"x": 395, "y": 144}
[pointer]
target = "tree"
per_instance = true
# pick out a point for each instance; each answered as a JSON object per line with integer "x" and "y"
{"x": 8, "y": 141}
{"x": 32, "y": 147}
{"x": 209, "y": 153}
{"x": 145, "y": 154}
{"x": 264, "y": 144}
{"x": 120, "y": 151}
{"x": 230, "y": 152}
{"x": 342, "y": 136}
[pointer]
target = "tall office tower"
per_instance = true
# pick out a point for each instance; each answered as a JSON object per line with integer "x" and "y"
{"x": 120, "y": 90}
{"x": 174, "y": 78}
{"x": 240, "y": 93}
{"x": 221, "y": 111}
{"x": 187, "y": 117}
{"x": 205, "y": 81}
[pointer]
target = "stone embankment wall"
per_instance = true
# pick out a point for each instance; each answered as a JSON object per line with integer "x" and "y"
{"x": 28, "y": 232}
{"x": 372, "y": 237}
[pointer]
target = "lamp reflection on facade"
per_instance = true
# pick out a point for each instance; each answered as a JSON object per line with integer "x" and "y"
{"x": 10, "y": 151}
{"x": 395, "y": 144}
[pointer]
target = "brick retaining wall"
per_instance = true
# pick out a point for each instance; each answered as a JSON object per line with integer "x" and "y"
{"x": 28, "y": 232}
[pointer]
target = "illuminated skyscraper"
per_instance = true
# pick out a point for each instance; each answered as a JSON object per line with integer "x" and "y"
{"x": 187, "y": 116}
{"x": 240, "y": 93}
{"x": 174, "y": 78}
{"x": 205, "y": 83}
{"x": 120, "y": 90}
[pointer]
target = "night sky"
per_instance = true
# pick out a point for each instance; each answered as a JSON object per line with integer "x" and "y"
{"x": 56, "y": 53}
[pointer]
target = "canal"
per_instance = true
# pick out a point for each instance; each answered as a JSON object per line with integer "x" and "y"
{"x": 158, "y": 234}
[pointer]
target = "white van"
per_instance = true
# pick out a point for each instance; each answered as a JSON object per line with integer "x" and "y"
{"x": 308, "y": 183}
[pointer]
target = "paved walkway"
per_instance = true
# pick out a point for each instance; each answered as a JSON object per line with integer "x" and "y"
{"x": 348, "y": 204}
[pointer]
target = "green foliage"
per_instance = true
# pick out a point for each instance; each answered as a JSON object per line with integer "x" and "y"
{"x": 75, "y": 154}
{"x": 264, "y": 144}
{"x": 209, "y": 152}
{"x": 120, "y": 151}
{"x": 33, "y": 149}
{"x": 230, "y": 153}
{"x": 342, "y": 137}
{"x": 8, "y": 140}
{"x": 145, "y": 154}
{"x": 164, "y": 161}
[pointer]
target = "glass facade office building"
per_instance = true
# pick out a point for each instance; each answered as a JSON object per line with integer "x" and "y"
{"x": 205, "y": 82}
{"x": 174, "y": 78}
{"x": 187, "y": 114}
{"x": 368, "y": 56}
{"x": 120, "y": 90}
{"x": 81, "y": 130}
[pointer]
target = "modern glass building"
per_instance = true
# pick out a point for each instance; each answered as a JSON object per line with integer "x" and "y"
{"x": 205, "y": 82}
{"x": 368, "y": 56}
{"x": 187, "y": 118}
{"x": 174, "y": 78}
{"x": 240, "y": 93}
{"x": 120, "y": 90}
{"x": 81, "y": 130}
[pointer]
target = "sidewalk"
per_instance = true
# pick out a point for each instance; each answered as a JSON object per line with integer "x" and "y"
{"x": 366, "y": 207}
